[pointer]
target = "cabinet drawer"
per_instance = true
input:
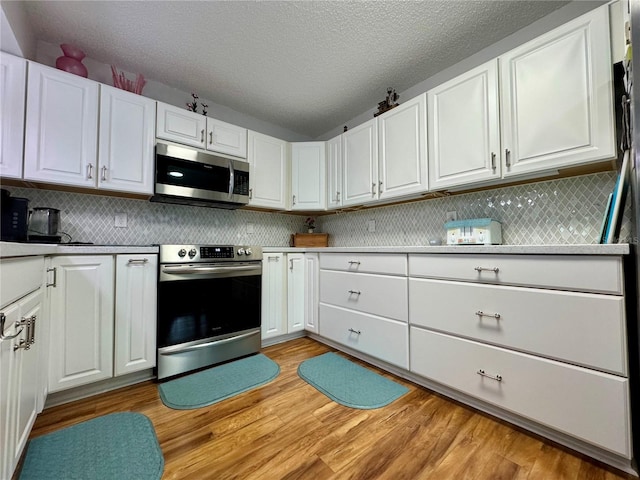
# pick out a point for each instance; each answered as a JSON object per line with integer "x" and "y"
{"x": 20, "y": 276}
{"x": 589, "y": 405}
{"x": 582, "y": 328}
{"x": 365, "y": 263}
{"x": 600, "y": 274}
{"x": 385, "y": 339}
{"x": 381, "y": 295}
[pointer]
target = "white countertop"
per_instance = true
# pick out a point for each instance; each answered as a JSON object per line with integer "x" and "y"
{"x": 590, "y": 249}
{"x": 11, "y": 249}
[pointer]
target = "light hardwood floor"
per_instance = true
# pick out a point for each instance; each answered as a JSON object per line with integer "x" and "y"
{"x": 288, "y": 430}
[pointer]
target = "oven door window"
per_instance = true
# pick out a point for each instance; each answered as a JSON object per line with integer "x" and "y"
{"x": 201, "y": 309}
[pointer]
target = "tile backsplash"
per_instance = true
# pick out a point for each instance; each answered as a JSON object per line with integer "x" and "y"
{"x": 563, "y": 211}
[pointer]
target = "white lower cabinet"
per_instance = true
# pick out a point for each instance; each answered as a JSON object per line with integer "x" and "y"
{"x": 274, "y": 300}
{"x": 590, "y": 405}
{"x": 295, "y": 292}
{"x": 92, "y": 319}
{"x": 21, "y": 364}
{"x": 135, "y": 315}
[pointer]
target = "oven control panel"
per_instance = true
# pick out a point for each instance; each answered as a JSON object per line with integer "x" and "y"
{"x": 208, "y": 253}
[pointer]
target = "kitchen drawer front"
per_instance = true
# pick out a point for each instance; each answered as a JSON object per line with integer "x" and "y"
{"x": 381, "y": 295}
{"x": 586, "y": 404}
{"x": 385, "y": 339}
{"x": 20, "y": 276}
{"x": 598, "y": 274}
{"x": 365, "y": 263}
{"x": 582, "y": 328}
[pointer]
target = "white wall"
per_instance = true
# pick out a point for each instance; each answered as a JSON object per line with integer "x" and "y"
{"x": 16, "y": 36}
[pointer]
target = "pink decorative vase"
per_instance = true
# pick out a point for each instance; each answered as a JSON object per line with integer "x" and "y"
{"x": 71, "y": 61}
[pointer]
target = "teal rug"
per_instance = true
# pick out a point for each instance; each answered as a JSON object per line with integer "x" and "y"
{"x": 349, "y": 384}
{"x": 117, "y": 446}
{"x": 218, "y": 383}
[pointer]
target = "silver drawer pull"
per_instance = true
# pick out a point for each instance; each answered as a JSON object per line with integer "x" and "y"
{"x": 357, "y": 332}
{"x": 487, "y": 269}
{"x": 55, "y": 274}
{"x": 481, "y": 314}
{"x": 354, "y": 292}
{"x": 482, "y": 373}
{"x": 137, "y": 261}
{"x": 353, "y": 262}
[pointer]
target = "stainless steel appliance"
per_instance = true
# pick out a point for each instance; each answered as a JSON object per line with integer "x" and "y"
{"x": 43, "y": 225}
{"x": 15, "y": 212}
{"x": 193, "y": 177}
{"x": 209, "y": 306}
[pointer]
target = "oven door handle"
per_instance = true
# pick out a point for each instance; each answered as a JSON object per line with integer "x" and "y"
{"x": 178, "y": 349}
{"x": 194, "y": 270}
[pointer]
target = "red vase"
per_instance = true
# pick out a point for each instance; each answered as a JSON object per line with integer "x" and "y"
{"x": 71, "y": 61}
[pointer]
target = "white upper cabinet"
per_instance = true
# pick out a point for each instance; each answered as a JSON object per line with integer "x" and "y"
{"x": 464, "y": 129}
{"x": 180, "y": 125}
{"x": 308, "y": 172}
{"x": 557, "y": 98}
{"x": 226, "y": 138}
{"x": 268, "y": 179}
{"x": 13, "y": 72}
{"x": 189, "y": 128}
{"x": 402, "y": 149}
{"x": 334, "y": 172}
{"x": 126, "y": 141}
{"x": 360, "y": 164}
{"x": 61, "y": 132}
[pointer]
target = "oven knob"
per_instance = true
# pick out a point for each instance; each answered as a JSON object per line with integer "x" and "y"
{"x": 247, "y": 251}
{"x": 241, "y": 251}
{"x": 192, "y": 253}
{"x": 182, "y": 252}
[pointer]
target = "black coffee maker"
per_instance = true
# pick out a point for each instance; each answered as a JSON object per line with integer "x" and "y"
{"x": 15, "y": 217}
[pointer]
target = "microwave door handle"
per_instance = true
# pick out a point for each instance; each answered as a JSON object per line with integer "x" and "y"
{"x": 232, "y": 175}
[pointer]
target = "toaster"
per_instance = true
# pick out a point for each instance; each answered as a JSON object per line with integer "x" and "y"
{"x": 475, "y": 231}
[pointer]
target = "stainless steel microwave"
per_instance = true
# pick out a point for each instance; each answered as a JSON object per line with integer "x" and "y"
{"x": 190, "y": 176}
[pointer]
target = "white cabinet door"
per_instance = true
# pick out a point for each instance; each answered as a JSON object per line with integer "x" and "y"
{"x": 556, "y": 99}
{"x": 61, "y": 132}
{"x": 334, "y": 172}
{"x": 269, "y": 179}
{"x": 226, "y": 138}
{"x": 295, "y": 292}
{"x": 135, "y": 313}
{"x": 127, "y": 139}
{"x": 82, "y": 321}
{"x": 180, "y": 125}
{"x": 13, "y": 84}
{"x": 360, "y": 164}
{"x": 402, "y": 149}
{"x": 312, "y": 291}
{"x": 274, "y": 301}
{"x": 464, "y": 129}
{"x": 8, "y": 392}
{"x": 308, "y": 190}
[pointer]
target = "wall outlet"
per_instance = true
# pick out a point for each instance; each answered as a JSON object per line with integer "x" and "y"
{"x": 249, "y": 227}
{"x": 451, "y": 216}
{"x": 371, "y": 225}
{"x": 120, "y": 220}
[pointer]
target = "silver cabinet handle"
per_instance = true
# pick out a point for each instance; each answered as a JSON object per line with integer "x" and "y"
{"x": 482, "y": 373}
{"x": 380, "y": 187}
{"x": 493, "y": 161}
{"x": 357, "y": 332}
{"x": 30, "y": 324}
{"x": 103, "y": 177}
{"x": 210, "y": 138}
{"x": 507, "y": 157}
{"x": 337, "y": 196}
{"x": 354, "y": 292}
{"x": 202, "y": 136}
{"x": 137, "y": 261}
{"x": 89, "y": 171}
{"x": 373, "y": 189}
{"x": 55, "y": 276}
{"x": 291, "y": 264}
{"x": 487, "y": 269}
{"x": 251, "y": 194}
{"x": 3, "y": 336}
{"x": 294, "y": 200}
{"x": 277, "y": 259}
{"x": 354, "y": 262}
{"x": 481, "y": 314}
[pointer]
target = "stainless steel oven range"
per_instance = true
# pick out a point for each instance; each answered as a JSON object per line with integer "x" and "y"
{"x": 209, "y": 305}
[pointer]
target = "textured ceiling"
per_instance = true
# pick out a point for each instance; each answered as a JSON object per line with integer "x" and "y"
{"x": 308, "y": 66}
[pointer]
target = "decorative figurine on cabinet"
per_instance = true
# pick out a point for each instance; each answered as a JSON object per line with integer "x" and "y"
{"x": 390, "y": 102}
